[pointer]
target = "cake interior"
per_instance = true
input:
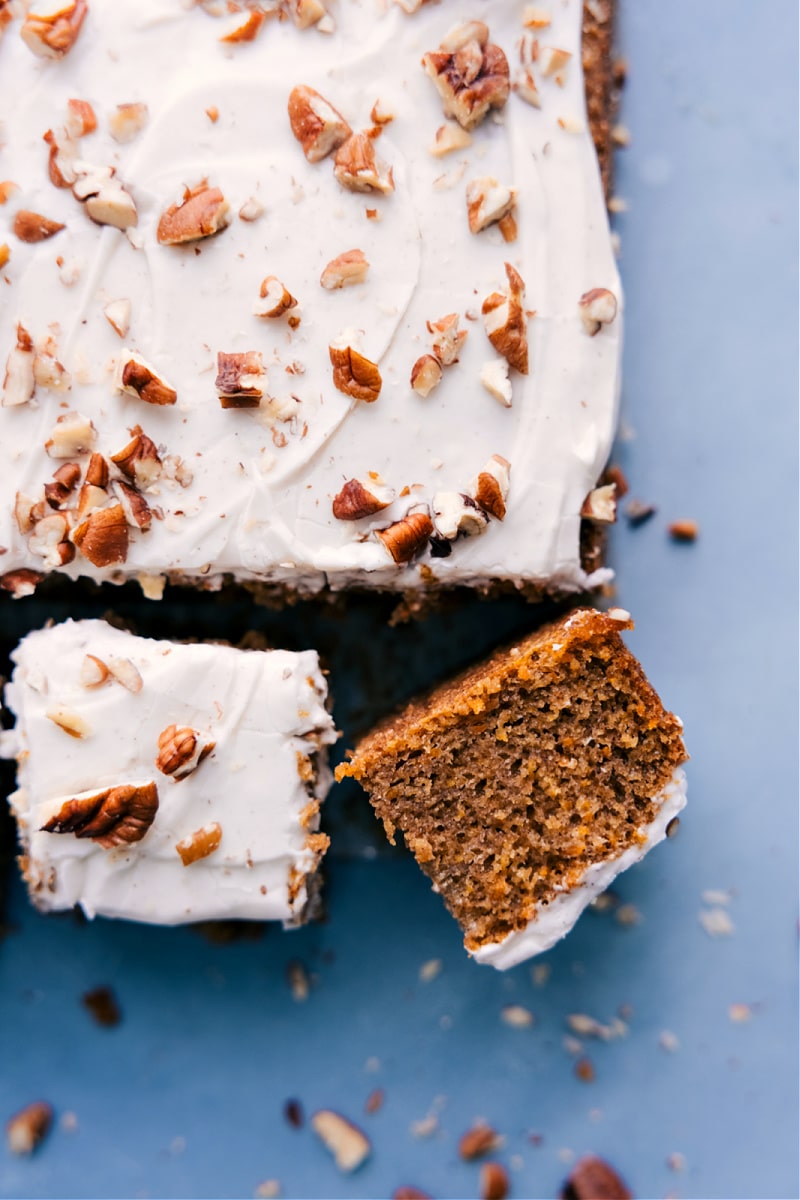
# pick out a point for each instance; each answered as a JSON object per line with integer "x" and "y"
{"x": 512, "y": 780}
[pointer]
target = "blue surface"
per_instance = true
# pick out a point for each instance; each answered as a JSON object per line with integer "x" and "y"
{"x": 185, "y": 1097}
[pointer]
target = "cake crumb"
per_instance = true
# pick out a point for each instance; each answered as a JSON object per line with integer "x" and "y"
{"x": 102, "y": 1004}
{"x": 69, "y": 1122}
{"x": 293, "y": 1112}
{"x": 584, "y": 1070}
{"x": 540, "y": 974}
{"x": 297, "y": 978}
{"x": 430, "y": 969}
{"x": 374, "y": 1101}
{"x": 517, "y": 1016}
{"x": 676, "y": 1161}
{"x": 668, "y": 1041}
{"x": 270, "y": 1189}
{"x": 716, "y": 897}
{"x": 716, "y": 922}
{"x": 477, "y": 1141}
{"x": 628, "y": 915}
{"x": 684, "y": 530}
{"x": 637, "y": 512}
{"x": 739, "y": 1013}
{"x": 426, "y": 1127}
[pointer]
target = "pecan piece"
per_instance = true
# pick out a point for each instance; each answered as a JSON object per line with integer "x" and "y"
{"x": 114, "y": 816}
{"x": 81, "y": 118}
{"x": 105, "y": 199}
{"x": 359, "y": 169}
{"x": 128, "y": 120}
{"x": 490, "y": 487}
{"x": 494, "y": 1181}
{"x": 28, "y": 1127}
{"x": 65, "y": 480}
{"x": 316, "y": 124}
{"x": 345, "y": 270}
{"x": 19, "y": 383}
{"x": 489, "y": 203}
{"x": 103, "y": 536}
{"x": 136, "y": 377}
{"x": 601, "y": 504}
{"x": 362, "y": 498}
{"x": 455, "y": 513}
{"x": 181, "y": 749}
{"x": 200, "y": 844}
{"x": 275, "y": 298}
{"x": 478, "y": 1140}
{"x": 593, "y": 1179}
{"x": 472, "y": 78}
{"x": 354, "y": 374}
{"x": 20, "y": 583}
{"x": 448, "y": 138}
{"x": 346, "y": 1142}
{"x": 494, "y": 377}
{"x": 53, "y": 33}
{"x": 73, "y": 434}
{"x": 118, "y": 315}
{"x": 447, "y": 340}
{"x": 33, "y": 227}
{"x": 248, "y": 30}
{"x": 597, "y": 307}
{"x": 137, "y": 510}
{"x": 47, "y": 370}
{"x": 71, "y": 722}
{"x": 240, "y": 379}
{"x": 49, "y": 541}
{"x": 406, "y": 537}
{"x": 94, "y": 672}
{"x": 138, "y": 461}
{"x": 426, "y": 374}
{"x": 504, "y": 321}
{"x": 203, "y": 212}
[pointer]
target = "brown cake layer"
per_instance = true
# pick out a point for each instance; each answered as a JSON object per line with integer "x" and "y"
{"x": 508, "y": 782}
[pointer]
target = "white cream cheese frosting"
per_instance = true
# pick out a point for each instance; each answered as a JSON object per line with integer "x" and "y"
{"x": 257, "y": 500}
{"x": 256, "y": 793}
{"x": 555, "y": 919}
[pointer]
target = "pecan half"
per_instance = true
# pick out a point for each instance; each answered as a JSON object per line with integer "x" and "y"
{"x": 359, "y": 169}
{"x": 33, "y": 227}
{"x": 472, "y": 78}
{"x": 406, "y": 537}
{"x": 53, "y": 33}
{"x": 203, "y": 212}
{"x": 103, "y": 536}
{"x": 200, "y": 844}
{"x": 240, "y": 379}
{"x": 362, "y": 498}
{"x": 593, "y": 1179}
{"x": 345, "y": 270}
{"x": 504, "y": 320}
{"x": 490, "y": 487}
{"x": 318, "y": 126}
{"x": 354, "y": 374}
{"x": 19, "y": 382}
{"x": 114, "y": 816}
{"x": 181, "y": 749}
{"x": 597, "y": 307}
{"x": 136, "y": 377}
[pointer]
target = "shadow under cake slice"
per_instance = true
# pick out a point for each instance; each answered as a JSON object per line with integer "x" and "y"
{"x": 526, "y": 784}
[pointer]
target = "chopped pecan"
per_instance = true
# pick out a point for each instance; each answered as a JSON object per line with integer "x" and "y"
{"x": 504, "y": 321}
{"x": 48, "y": 371}
{"x": 406, "y": 537}
{"x": 81, "y": 118}
{"x": 203, "y": 212}
{"x": 426, "y": 374}
{"x": 446, "y": 340}
{"x": 19, "y": 383}
{"x": 318, "y": 126}
{"x": 49, "y": 540}
{"x": 362, "y": 498}
{"x": 53, "y": 32}
{"x": 597, "y": 307}
{"x": 61, "y": 159}
{"x": 94, "y": 672}
{"x": 448, "y": 138}
{"x": 306, "y": 13}
{"x": 684, "y": 530}
{"x": 494, "y": 377}
{"x": 248, "y": 30}
{"x": 489, "y": 202}
{"x": 346, "y": 1142}
{"x": 274, "y": 298}
{"x": 118, "y": 315}
{"x": 471, "y": 79}
{"x": 5, "y": 254}
{"x": 27, "y": 512}
{"x": 103, "y": 536}
{"x": 136, "y": 377}
{"x": 33, "y": 227}
{"x": 240, "y": 379}
{"x": 20, "y": 583}
{"x": 478, "y": 1140}
{"x": 200, "y": 844}
{"x": 345, "y": 270}
{"x": 73, "y": 434}
{"x": 136, "y": 509}
{"x": 251, "y": 210}
{"x": 359, "y": 169}
{"x": 105, "y": 199}
{"x": 113, "y": 816}
{"x": 138, "y": 461}
{"x": 128, "y": 120}
{"x": 71, "y": 722}
{"x": 181, "y": 749}
{"x": 490, "y": 487}
{"x": 354, "y": 374}
{"x": 65, "y": 480}
{"x": 552, "y": 61}
{"x": 601, "y": 504}
{"x": 494, "y": 1181}
{"x": 455, "y": 513}
{"x": 28, "y": 1127}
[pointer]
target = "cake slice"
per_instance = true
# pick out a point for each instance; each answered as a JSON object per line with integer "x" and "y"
{"x": 166, "y": 782}
{"x": 526, "y": 784}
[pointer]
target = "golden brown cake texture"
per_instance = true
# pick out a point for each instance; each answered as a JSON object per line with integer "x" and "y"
{"x": 514, "y": 778}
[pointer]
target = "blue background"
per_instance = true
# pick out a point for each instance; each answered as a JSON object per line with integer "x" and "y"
{"x": 185, "y": 1097}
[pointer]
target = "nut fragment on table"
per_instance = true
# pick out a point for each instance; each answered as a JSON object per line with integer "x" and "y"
{"x": 349, "y": 1146}
{"x": 28, "y": 1127}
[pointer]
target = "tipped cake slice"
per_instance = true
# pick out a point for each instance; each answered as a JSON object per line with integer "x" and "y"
{"x": 165, "y": 782}
{"x": 526, "y": 784}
